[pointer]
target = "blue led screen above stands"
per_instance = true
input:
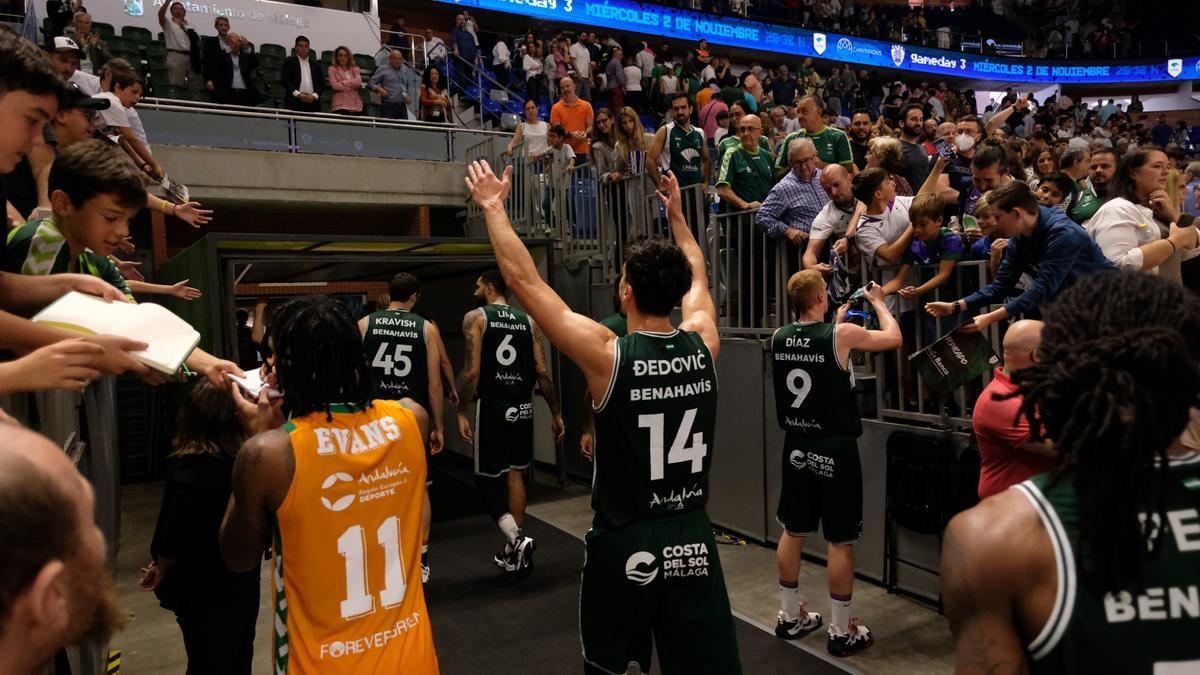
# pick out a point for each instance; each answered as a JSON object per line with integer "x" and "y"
{"x": 623, "y": 15}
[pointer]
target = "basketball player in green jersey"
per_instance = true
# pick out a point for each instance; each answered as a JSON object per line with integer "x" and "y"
{"x": 503, "y": 359}
{"x": 822, "y": 476}
{"x": 404, "y": 352}
{"x": 1093, "y": 567}
{"x": 651, "y": 568}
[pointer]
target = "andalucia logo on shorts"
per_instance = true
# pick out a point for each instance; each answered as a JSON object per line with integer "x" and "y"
{"x": 641, "y": 568}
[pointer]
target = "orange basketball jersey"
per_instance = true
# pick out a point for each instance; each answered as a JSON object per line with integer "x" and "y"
{"x": 347, "y": 577}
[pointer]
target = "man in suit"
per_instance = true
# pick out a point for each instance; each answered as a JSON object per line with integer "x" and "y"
{"x": 229, "y": 69}
{"x": 212, "y": 46}
{"x": 302, "y": 79}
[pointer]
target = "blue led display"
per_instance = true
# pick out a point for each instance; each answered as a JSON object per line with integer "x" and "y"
{"x": 623, "y": 15}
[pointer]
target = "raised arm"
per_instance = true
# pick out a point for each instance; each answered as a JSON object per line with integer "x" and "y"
{"x": 699, "y": 313}
{"x": 1001, "y": 117}
{"x": 546, "y": 384}
{"x": 583, "y": 340}
{"x": 930, "y": 186}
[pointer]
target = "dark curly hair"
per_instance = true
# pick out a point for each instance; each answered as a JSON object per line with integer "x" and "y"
{"x": 1119, "y": 371}
{"x": 319, "y": 357}
{"x": 658, "y": 273}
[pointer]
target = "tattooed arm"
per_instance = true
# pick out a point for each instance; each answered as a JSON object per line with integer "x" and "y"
{"x": 468, "y": 379}
{"x": 546, "y": 384}
{"x": 262, "y": 475}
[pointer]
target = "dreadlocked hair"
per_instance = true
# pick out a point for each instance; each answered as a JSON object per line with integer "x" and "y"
{"x": 1119, "y": 370}
{"x": 318, "y": 356}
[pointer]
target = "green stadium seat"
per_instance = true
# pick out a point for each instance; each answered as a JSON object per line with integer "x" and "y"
{"x": 268, "y": 49}
{"x": 141, "y": 36}
{"x": 327, "y": 56}
{"x": 104, "y": 30}
{"x": 364, "y": 61}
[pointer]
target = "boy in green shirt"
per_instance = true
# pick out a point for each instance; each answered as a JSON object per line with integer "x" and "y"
{"x": 94, "y": 192}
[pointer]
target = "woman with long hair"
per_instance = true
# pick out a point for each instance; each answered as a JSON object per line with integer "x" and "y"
{"x": 1039, "y": 164}
{"x": 345, "y": 80}
{"x": 535, "y": 79}
{"x": 632, "y": 138}
{"x": 1129, "y": 226}
{"x": 885, "y": 152}
{"x": 605, "y": 156}
{"x": 435, "y": 104}
{"x": 216, "y": 609}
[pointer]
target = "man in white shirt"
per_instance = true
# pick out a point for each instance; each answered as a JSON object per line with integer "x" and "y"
{"x": 881, "y": 226}
{"x": 435, "y": 47}
{"x": 302, "y": 79}
{"x": 179, "y": 45}
{"x": 501, "y": 58}
{"x": 832, "y": 220}
{"x": 581, "y": 58}
{"x": 65, "y": 55}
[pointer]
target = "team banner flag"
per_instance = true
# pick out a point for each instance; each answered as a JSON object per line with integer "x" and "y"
{"x": 952, "y": 361}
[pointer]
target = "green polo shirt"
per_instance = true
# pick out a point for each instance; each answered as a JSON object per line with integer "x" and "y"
{"x": 39, "y": 248}
{"x": 748, "y": 174}
{"x": 1086, "y": 205}
{"x": 833, "y": 147}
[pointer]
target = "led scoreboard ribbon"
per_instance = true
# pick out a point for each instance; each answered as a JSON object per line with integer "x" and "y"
{"x": 623, "y": 15}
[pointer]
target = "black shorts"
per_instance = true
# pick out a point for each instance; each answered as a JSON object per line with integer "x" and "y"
{"x": 660, "y": 580}
{"x": 503, "y": 435}
{"x": 822, "y": 486}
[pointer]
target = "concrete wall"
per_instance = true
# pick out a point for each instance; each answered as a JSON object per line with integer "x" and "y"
{"x": 250, "y": 176}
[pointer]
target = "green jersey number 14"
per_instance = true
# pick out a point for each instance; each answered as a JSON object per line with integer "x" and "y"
{"x": 680, "y": 451}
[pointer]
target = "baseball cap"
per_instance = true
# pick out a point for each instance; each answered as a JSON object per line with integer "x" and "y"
{"x": 63, "y": 43}
{"x": 74, "y": 97}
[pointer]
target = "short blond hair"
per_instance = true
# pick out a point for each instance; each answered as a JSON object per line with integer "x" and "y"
{"x": 982, "y": 207}
{"x": 805, "y": 289}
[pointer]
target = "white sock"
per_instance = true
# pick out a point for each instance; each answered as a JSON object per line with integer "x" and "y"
{"x": 508, "y": 525}
{"x": 840, "y": 619}
{"x": 789, "y": 600}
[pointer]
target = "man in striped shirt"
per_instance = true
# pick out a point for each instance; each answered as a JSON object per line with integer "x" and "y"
{"x": 789, "y": 209}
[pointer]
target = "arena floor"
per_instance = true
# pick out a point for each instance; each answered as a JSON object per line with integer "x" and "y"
{"x": 910, "y": 638}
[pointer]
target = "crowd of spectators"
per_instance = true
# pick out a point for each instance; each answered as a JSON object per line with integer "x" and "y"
{"x": 785, "y": 142}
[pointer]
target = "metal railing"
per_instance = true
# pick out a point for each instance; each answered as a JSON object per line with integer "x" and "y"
{"x": 175, "y": 122}
{"x": 900, "y": 391}
{"x": 416, "y": 53}
{"x": 748, "y": 274}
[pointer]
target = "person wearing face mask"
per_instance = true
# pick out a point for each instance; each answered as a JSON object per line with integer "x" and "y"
{"x": 957, "y": 175}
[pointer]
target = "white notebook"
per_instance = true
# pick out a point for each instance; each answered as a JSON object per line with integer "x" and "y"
{"x": 171, "y": 338}
{"x": 254, "y": 385}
